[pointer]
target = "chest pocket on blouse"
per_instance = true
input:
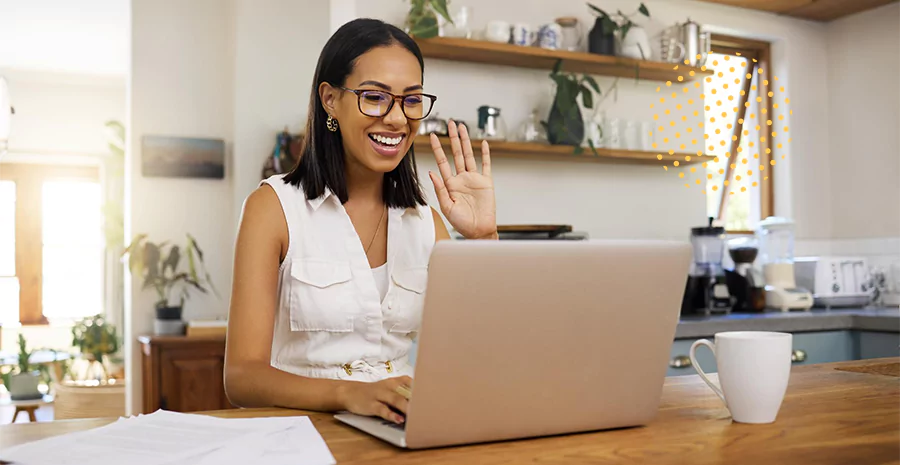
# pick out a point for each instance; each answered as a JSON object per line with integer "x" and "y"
{"x": 404, "y": 313}
{"x": 321, "y": 296}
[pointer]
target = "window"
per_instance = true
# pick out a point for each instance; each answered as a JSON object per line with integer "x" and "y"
{"x": 51, "y": 243}
{"x": 737, "y": 107}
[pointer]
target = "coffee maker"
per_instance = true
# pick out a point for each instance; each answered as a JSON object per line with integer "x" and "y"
{"x": 706, "y": 291}
{"x": 745, "y": 283}
{"x": 776, "y": 237}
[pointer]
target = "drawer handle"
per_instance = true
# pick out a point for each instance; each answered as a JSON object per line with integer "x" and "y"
{"x": 680, "y": 361}
{"x": 798, "y": 356}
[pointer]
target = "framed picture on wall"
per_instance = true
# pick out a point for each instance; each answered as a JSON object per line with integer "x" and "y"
{"x": 182, "y": 157}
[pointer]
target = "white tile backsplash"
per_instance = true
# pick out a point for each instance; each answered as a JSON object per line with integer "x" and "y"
{"x": 877, "y": 251}
{"x": 880, "y": 252}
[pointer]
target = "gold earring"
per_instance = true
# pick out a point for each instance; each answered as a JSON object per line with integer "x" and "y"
{"x": 331, "y": 124}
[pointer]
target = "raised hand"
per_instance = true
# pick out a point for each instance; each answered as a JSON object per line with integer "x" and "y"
{"x": 466, "y": 198}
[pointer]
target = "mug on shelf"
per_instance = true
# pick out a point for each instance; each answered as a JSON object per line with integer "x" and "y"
{"x": 550, "y": 36}
{"x": 523, "y": 34}
{"x": 497, "y": 31}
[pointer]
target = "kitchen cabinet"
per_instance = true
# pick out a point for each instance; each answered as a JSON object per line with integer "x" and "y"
{"x": 872, "y": 344}
{"x": 809, "y": 348}
{"x": 824, "y": 347}
{"x": 183, "y": 374}
{"x": 680, "y": 363}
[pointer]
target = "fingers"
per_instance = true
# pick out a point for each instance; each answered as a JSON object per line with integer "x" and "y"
{"x": 456, "y": 148}
{"x": 440, "y": 190}
{"x": 440, "y": 158}
{"x": 394, "y": 399}
{"x": 468, "y": 155}
{"x": 485, "y": 158}
{"x": 385, "y": 412}
{"x": 405, "y": 380}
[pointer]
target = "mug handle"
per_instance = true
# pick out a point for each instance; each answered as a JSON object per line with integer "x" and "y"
{"x": 681, "y": 51}
{"x": 693, "y": 353}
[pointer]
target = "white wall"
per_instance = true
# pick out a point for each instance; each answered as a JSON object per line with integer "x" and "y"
{"x": 181, "y": 84}
{"x": 864, "y": 117}
{"x": 84, "y": 37}
{"x": 61, "y": 114}
{"x": 277, "y": 47}
{"x": 630, "y": 201}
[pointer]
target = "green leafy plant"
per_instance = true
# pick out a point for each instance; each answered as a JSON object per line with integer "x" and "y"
{"x": 621, "y": 24}
{"x": 95, "y": 338}
{"x": 157, "y": 265}
{"x": 24, "y": 365}
{"x": 23, "y": 362}
{"x": 24, "y": 356}
{"x": 422, "y": 21}
{"x": 568, "y": 87}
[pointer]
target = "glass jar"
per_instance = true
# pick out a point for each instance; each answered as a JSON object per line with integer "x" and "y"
{"x": 532, "y": 130}
{"x": 571, "y": 33}
{"x": 776, "y": 240}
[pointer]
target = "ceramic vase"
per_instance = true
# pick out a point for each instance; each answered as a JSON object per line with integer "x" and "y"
{"x": 635, "y": 44}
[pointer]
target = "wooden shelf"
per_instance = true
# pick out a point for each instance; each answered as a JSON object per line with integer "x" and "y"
{"x": 546, "y": 152}
{"x": 475, "y": 51}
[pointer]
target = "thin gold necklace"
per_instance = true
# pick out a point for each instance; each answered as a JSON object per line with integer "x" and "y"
{"x": 377, "y": 230}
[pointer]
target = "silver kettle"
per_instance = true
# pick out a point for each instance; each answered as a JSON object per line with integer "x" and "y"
{"x": 696, "y": 43}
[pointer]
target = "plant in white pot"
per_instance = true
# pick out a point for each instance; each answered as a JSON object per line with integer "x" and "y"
{"x": 633, "y": 40}
{"x": 23, "y": 379}
{"x": 158, "y": 265}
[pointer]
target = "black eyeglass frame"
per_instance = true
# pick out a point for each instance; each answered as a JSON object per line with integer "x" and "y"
{"x": 394, "y": 98}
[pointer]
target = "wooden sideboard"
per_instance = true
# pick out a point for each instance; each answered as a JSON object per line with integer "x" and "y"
{"x": 183, "y": 374}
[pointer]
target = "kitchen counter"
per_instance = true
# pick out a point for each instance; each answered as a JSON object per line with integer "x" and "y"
{"x": 817, "y": 319}
{"x": 832, "y": 414}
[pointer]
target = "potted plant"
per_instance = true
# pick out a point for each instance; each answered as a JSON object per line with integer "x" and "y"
{"x": 157, "y": 264}
{"x": 23, "y": 380}
{"x": 601, "y": 39}
{"x": 422, "y": 20}
{"x": 97, "y": 340}
{"x": 565, "y": 124}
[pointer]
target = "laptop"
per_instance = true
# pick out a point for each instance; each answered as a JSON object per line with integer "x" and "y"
{"x": 523, "y": 339}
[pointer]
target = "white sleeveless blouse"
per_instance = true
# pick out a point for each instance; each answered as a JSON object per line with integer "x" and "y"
{"x": 331, "y": 320}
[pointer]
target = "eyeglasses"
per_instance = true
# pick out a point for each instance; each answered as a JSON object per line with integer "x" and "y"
{"x": 378, "y": 103}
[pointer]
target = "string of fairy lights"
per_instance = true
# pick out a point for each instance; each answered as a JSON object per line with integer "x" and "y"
{"x": 673, "y": 125}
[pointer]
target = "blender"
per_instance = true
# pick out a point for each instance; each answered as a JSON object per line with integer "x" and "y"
{"x": 745, "y": 283}
{"x": 776, "y": 237}
{"x": 706, "y": 291}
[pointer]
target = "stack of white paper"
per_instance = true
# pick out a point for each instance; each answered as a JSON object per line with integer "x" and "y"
{"x": 168, "y": 438}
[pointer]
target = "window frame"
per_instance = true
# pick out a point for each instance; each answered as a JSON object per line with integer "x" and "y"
{"x": 29, "y": 180}
{"x": 762, "y": 52}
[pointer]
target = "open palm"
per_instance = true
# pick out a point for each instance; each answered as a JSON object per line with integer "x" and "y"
{"x": 466, "y": 198}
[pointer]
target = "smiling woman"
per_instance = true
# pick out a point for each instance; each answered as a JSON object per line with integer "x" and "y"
{"x": 331, "y": 259}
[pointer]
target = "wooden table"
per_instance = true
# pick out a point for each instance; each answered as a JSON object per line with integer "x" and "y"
{"x": 831, "y": 415}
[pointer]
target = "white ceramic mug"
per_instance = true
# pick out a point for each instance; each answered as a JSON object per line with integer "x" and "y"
{"x": 497, "y": 31}
{"x": 550, "y": 36}
{"x": 754, "y": 368}
{"x": 523, "y": 34}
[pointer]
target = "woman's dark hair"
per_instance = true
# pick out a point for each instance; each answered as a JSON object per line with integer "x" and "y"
{"x": 321, "y": 163}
